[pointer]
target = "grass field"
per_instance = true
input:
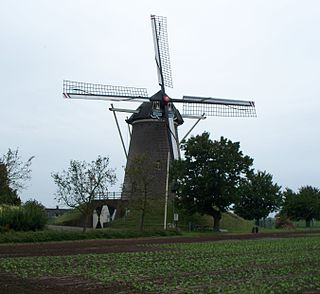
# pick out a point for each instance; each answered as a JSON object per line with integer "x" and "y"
{"x": 251, "y": 266}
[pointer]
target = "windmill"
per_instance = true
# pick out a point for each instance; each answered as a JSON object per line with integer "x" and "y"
{"x": 155, "y": 121}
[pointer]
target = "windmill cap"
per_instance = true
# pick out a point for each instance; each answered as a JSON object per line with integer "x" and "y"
{"x": 147, "y": 111}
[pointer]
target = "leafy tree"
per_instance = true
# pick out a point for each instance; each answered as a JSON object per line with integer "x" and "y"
{"x": 7, "y": 195}
{"x": 304, "y": 205}
{"x": 207, "y": 180}
{"x": 258, "y": 196}
{"x": 82, "y": 183}
{"x": 142, "y": 174}
{"x": 13, "y": 175}
{"x": 17, "y": 171}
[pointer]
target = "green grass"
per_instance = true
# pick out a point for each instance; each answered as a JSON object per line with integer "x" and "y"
{"x": 302, "y": 224}
{"x": 234, "y": 223}
{"x": 154, "y": 216}
{"x": 256, "y": 266}
{"x": 73, "y": 216}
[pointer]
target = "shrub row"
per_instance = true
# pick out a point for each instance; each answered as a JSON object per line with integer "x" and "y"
{"x": 30, "y": 216}
{"x": 52, "y": 235}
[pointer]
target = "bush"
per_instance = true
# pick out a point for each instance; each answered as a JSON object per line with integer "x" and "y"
{"x": 53, "y": 235}
{"x": 30, "y": 216}
{"x": 283, "y": 222}
{"x": 10, "y": 217}
{"x": 34, "y": 215}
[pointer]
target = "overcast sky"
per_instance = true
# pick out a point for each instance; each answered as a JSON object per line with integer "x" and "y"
{"x": 266, "y": 51}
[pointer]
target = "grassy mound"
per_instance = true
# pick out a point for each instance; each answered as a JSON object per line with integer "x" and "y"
{"x": 154, "y": 219}
{"x": 71, "y": 218}
{"x": 234, "y": 223}
{"x": 229, "y": 222}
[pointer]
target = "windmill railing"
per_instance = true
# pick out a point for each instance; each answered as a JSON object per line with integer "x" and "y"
{"x": 110, "y": 196}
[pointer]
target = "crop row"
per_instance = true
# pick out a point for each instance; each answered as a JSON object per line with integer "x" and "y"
{"x": 280, "y": 265}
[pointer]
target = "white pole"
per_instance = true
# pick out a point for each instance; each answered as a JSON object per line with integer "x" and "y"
{"x": 167, "y": 193}
{"x": 120, "y": 134}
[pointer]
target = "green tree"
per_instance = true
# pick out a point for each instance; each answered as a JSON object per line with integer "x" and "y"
{"x": 207, "y": 180}
{"x": 82, "y": 183}
{"x": 304, "y": 205}
{"x": 258, "y": 196}
{"x": 7, "y": 195}
{"x": 13, "y": 174}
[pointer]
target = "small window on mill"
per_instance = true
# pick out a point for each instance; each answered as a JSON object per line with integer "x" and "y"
{"x": 156, "y": 105}
{"x": 158, "y": 165}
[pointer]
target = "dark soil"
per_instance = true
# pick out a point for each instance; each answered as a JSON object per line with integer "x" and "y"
{"x": 9, "y": 283}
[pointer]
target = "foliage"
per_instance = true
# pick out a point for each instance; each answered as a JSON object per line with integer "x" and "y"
{"x": 82, "y": 183}
{"x": 35, "y": 215}
{"x": 258, "y": 196}
{"x": 29, "y": 216}
{"x": 208, "y": 178}
{"x": 255, "y": 266}
{"x": 17, "y": 171}
{"x": 8, "y": 196}
{"x": 302, "y": 205}
{"x": 69, "y": 235}
{"x": 13, "y": 175}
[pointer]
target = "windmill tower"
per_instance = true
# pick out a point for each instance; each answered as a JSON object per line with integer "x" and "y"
{"x": 155, "y": 121}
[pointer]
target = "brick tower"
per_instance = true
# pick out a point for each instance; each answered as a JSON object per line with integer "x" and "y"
{"x": 149, "y": 140}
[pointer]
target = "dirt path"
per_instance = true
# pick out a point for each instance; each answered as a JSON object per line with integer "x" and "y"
{"x": 10, "y": 284}
{"x": 126, "y": 245}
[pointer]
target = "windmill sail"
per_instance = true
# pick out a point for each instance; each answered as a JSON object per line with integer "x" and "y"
{"x": 80, "y": 90}
{"x": 161, "y": 47}
{"x": 217, "y": 107}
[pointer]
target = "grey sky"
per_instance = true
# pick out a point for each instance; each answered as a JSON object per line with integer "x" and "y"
{"x": 266, "y": 51}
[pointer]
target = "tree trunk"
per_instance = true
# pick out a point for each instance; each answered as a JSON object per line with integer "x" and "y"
{"x": 308, "y": 221}
{"x": 143, "y": 208}
{"x": 141, "y": 220}
{"x": 84, "y": 228}
{"x": 216, "y": 215}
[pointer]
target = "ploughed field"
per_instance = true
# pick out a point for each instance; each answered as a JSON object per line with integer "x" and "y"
{"x": 255, "y": 263}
